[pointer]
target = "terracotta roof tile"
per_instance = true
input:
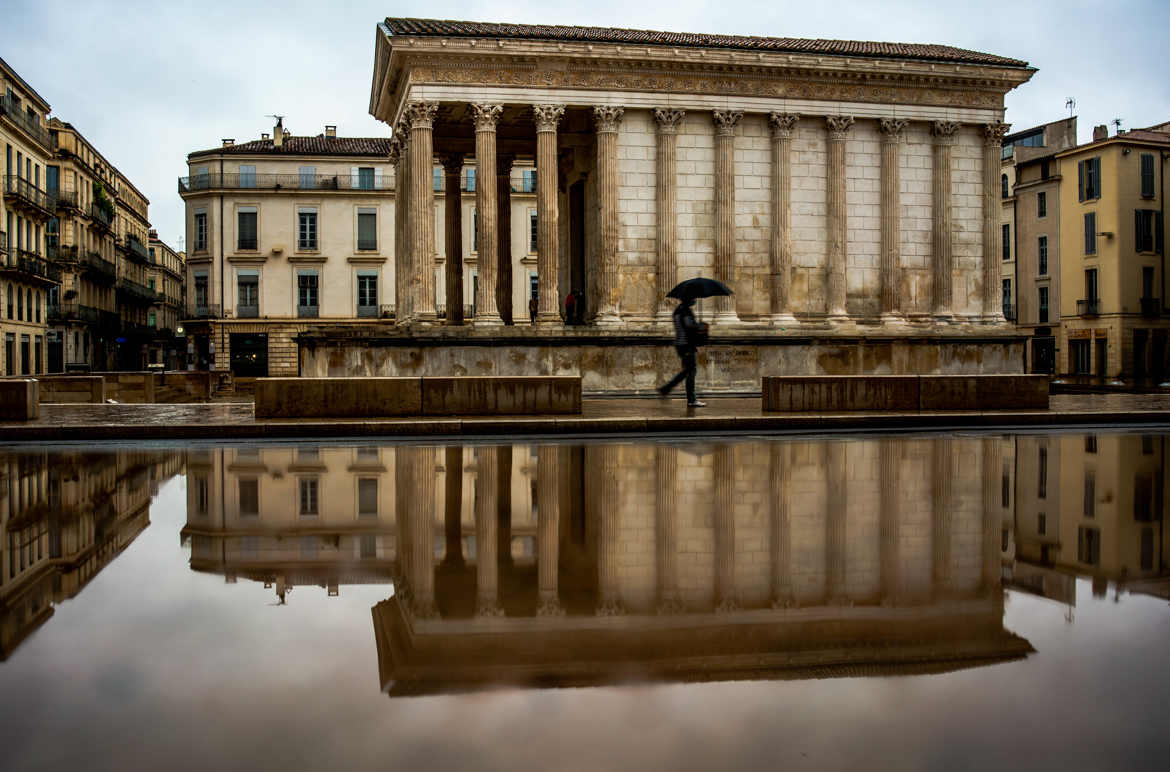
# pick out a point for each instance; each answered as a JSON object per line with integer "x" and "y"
{"x": 318, "y": 145}
{"x": 445, "y": 28}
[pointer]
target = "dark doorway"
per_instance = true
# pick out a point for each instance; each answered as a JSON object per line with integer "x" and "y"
{"x": 249, "y": 355}
{"x": 577, "y": 274}
{"x": 1141, "y": 340}
{"x": 56, "y": 352}
{"x": 1102, "y": 354}
{"x": 1044, "y": 356}
{"x": 1158, "y": 355}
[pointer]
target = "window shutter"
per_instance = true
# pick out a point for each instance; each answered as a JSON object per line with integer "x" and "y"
{"x": 1159, "y": 239}
{"x": 377, "y": 179}
{"x": 1081, "y": 180}
{"x": 353, "y": 178}
{"x": 1139, "y": 232}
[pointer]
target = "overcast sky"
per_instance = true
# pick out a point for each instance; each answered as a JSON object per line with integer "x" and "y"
{"x": 148, "y": 83}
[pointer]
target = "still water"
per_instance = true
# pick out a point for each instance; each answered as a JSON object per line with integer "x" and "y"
{"x": 934, "y": 602}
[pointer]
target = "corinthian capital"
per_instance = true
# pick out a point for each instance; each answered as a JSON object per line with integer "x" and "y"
{"x": 783, "y": 124}
{"x": 726, "y": 120}
{"x": 421, "y": 115}
{"x": 608, "y": 118}
{"x": 838, "y": 125}
{"x": 944, "y": 131}
{"x": 993, "y": 132}
{"x": 547, "y": 116}
{"x": 668, "y": 119}
{"x": 395, "y": 149}
{"x": 891, "y": 129}
{"x": 486, "y": 116}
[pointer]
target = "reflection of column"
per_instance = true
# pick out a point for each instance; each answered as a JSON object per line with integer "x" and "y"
{"x": 608, "y": 584}
{"x": 486, "y": 570}
{"x": 891, "y": 230}
{"x": 422, "y": 208}
{"x": 547, "y": 215}
{"x": 726, "y": 598}
{"x": 725, "y": 123}
{"x": 888, "y": 461}
{"x": 403, "y": 493}
{"x": 504, "y": 505}
{"x": 548, "y": 531}
{"x": 667, "y": 218}
{"x": 944, "y": 140}
{"x": 422, "y": 498}
{"x": 504, "y": 224}
{"x": 992, "y": 513}
{"x": 942, "y": 474}
{"x": 837, "y": 215}
{"x": 992, "y": 153}
{"x": 608, "y": 119}
{"x": 486, "y": 313}
{"x": 453, "y": 506}
{"x": 780, "y": 474}
{"x": 453, "y": 219}
{"x": 783, "y": 126}
{"x": 835, "y": 520}
{"x": 666, "y": 528}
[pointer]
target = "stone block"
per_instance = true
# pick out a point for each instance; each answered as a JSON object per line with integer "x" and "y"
{"x": 502, "y": 395}
{"x": 983, "y": 392}
{"x": 20, "y": 399}
{"x": 337, "y": 397}
{"x": 831, "y": 393}
{"x": 73, "y": 389}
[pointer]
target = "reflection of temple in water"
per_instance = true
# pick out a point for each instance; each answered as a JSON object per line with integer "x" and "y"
{"x": 63, "y": 517}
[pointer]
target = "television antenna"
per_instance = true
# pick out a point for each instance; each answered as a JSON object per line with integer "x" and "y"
{"x": 277, "y": 117}
{"x": 1116, "y": 125}
{"x": 1071, "y": 104}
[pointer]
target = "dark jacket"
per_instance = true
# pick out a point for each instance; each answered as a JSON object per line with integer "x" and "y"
{"x": 688, "y": 332}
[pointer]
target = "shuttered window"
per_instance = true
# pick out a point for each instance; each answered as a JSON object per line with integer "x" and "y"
{"x": 367, "y": 229}
{"x": 1090, "y": 233}
{"x": 1147, "y": 175}
{"x": 246, "y": 227}
{"x": 1089, "y": 179}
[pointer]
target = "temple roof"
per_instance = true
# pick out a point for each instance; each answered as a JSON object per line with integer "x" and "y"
{"x": 474, "y": 29}
{"x": 318, "y": 145}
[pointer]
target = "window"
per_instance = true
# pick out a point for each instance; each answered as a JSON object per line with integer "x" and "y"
{"x": 367, "y": 293}
{"x": 307, "y": 496}
{"x": 529, "y": 181}
{"x": 437, "y": 179}
{"x": 1045, "y": 171}
{"x": 200, "y": 292}
{"x": 200, "y": 231}
{"x": 474, "y": 230}
{"x": 246, "y": 230}
{"x": 1143, "y": 498}
{"x": 1090, "y": 233}
{"x": 1090, "y": 443}
{"x": 367, "y": 230}
{"x": 470, "y": 184}
{"x": 367, "y": 496}
{"x": 1041, "y": 204}
{"x": 248, "y": 294}
{"x": 1042, "y": 473}
{"x": 247, "y": 176}
{"x": 201, "y": 495}
{"x": 368, "y": 546}
{"x": 1041, "y": 524}
{"x": 1007, "y": 295}
{"x": 249, "y": 489}
{"x": 1079, "y": 356}
{"x": 1147, "y": 282}
{"x": 307, "y": 228}
{"x": 1042, "y": 308}
{"x": 532, "y": 230}
{"x": 1089, "y": 179}
{"x": 1003, "y": 186}
{"x": 365, "y": 178}
{"x": 1147, "y": 175}
{"x": 1148, "y": 230}
{"x": 307, "y": 295}
{"x": 1088, "y": 545}
{"x": 308, "y": 177}
{"x": 151, "y": 319}
{"x": 1091, "y": 284}
{"x": 1090, "y": 493}
{"x": 1007, "y": 241}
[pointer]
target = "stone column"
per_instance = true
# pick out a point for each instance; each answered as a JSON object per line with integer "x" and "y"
{"x": 836, "y": 513}
{"x": 453, "y": 220}
{"x": 548, "y": 531}
{"x": 486, "y": 570}
{"x": 666, "y": 183}
{"x": 726, "y": 597}
{"x": 992, "y": 259}
{"x": 941, "y": 501}
{"x": 837, "y": 217}
{"x": 486, "y": 115}
{"x": 422, "y": 209}
{"x": 453, "y": 505}
{"x": 783, "y": 126}
{"x": 725, "y": 123}
{"x": 666, "y": 528}
{"x": 992, "y": 512}
{"x": 398, "y": 156}
{"x": 504, "y": 163}
{"x": 607, "y": 119}
{"x": 780, "y": 510}
{"x": 891, "y": 228}
{"x": 608, "y": 522}
{"x": 548, "y": 310}
{"x": 891, "y": 575}
{"x": 943, "y": 222}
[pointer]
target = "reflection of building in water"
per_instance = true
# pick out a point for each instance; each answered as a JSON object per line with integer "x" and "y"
{"x": 63, "y": 518}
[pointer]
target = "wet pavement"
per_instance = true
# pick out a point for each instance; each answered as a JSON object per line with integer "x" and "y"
{"x": 599, "y": 416}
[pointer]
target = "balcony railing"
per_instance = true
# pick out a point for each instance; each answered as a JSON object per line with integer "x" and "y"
{"x": 100, "y": 216}
{"x": 24, "y": 191}
{"x": 14, "y": 111}
{"x": 63, "y": 253}
{"x": 247, "y": 312}
{"x": 136, "y": 291}
{"x": 137, "y": 249}
{"x": 205, "y": 312}
{"x": 30, "y": 266}
{"x": 97, "y": 266}
{"x": 1089, "y": 307}
{"x": 3, "y": 242}
{"x": 367, "y": 312}
{"x": 66, "y": 199}
{"x": 307, "y": 312}
{"x": 1009, "y": 312}
{"x": 234, "y": 181}
{"x": 1151, "y": 307}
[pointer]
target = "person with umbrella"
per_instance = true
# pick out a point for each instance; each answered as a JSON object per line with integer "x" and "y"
{"x": 689, "y": 333}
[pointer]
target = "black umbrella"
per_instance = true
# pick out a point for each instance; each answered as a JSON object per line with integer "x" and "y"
{"x": 699, "y": 287}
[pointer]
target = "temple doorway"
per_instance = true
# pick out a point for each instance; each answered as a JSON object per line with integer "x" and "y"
{"x": 577, "y": 275}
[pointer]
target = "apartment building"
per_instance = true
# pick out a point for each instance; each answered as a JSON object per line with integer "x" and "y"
{"x": 26, "y": 276}
{"x": 166, "y": 276}
{"x": 134, "y": 295}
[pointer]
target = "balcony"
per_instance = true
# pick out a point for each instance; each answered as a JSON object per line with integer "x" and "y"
{"x": 97, "y": 268}
{"x": 66, "y": 199}
{"x": 1089, "y": 307}
{"x": 1151, "y": 307}
{"x": 28, "y": 267}
{"x": 307, "y": 312}
{"x": 247, "y": 312}
{"x": 14, "y": 111}
{"x": 100, "y": 216}
{"x": 1009, "y": 312}
{"x": 232, "y": 181}
{"x": 63, "y": 254}
{"x": 23, "y": 195}
{"x": 135, "y": 292}
{"x": 205, "y": 312}
{"x": 3, "y": 242}
{"x": 136, "y": 249}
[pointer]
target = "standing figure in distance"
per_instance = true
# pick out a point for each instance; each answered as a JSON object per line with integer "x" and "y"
{"x": 689, "y": 334}
{"x": 571, "y": 307}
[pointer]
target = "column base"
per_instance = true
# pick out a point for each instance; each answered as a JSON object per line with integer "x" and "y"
{"x": 728, "y": 605}
{"x": 488, "y": 608}
{"x": 943, "y": 317}
{"x": 549, "y": 320}
{"x": 664, "y": 315}
{"x": 892, "y": 319}
{"x": 671, "y": 606}
{"x": 995, "y": 319}
{"x": 786, "y": 600}
{"x": 424, "y": 609}
{"x": 550, "y": 607}
{"x": 483, "y": 320}
{"x": 610, "y": 608}
{"x": 725, "y": 317}
{"x": 839, "y": 319}
{"x": 607, "y": 319}
{"x": 779, "y": 320}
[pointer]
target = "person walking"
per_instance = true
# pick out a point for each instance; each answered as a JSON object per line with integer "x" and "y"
{"x": 689, "y": 334}
{"x": 571, "y": 307}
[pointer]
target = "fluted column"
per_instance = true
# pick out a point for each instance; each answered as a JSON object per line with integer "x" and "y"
{"x": 453, "y": 505}
{"x": 725, "y": 123}
{"x": 548, "y": 531}
{"x": 891, "y": 228}
{"x": 726, "y": 596}
{"x": 941, "y": 501}
{"x": 402, "y": 269}
{"x": 992, "y": 259}
{"x": 666, "y": 527}
{"x": 486, "y": 313}
{"x": 422, "y": 210}
{"x": 608, "y": 119}
{"x": 836, "y": 513}
{"x": 891, "y": 574}
{"x": 547, "y": 215}
{"x": 837, "y": 216}
{"x": 453, "y": 231}
{"x": 783, "y": 126}
{"x": 780, "y": 511}
{"x": 992, "y": 512}
{"x": 608, "y": 514}
{"x": 666, "y": 184}
{"x": 504, "y": 303}
{"x": 943, "y": 221}
{"x": 422, "y": 503}
{"x": 486, "y": 570}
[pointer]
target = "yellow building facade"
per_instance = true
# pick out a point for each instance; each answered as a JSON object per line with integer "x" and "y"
{"x": 166, "y": 276}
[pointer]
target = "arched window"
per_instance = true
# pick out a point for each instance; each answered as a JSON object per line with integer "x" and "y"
{"x": 1003, "y": 186}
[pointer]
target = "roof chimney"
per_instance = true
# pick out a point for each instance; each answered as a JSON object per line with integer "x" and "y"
{"x": 330, "y": 131}
{"x": 153, "y": 234}
{"x": 228, "y": 142}
{"x": 287, "y": 134}
{"x": 264, "y": 135}
{"x": 1100, "y": 132}
{"x": 278, "y": 133}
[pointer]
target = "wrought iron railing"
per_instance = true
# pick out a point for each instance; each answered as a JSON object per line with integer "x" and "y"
{"x": 100, "y": 216}
{"x": 63, "y": 253}
{"x": 66, "y": 199}
{"x": 1009, "y": 312}
{"x": 3, "y": 242}
{"x": 307, "y": 312}
{"x": 235, "y": 181}
{"x": 30, "y": 264}
{"x": 136, "y": 291}
{"x": 205, "y": 312}
{"x": 22, "y": 189}
{"x": 13, "y": 110}
{"x": 136, "y": 248}
{"x": 97, "y": 265}
{"x": 1089, "y": 307}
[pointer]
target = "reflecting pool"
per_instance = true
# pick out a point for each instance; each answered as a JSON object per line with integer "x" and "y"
{"x": 923, "y": 602}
